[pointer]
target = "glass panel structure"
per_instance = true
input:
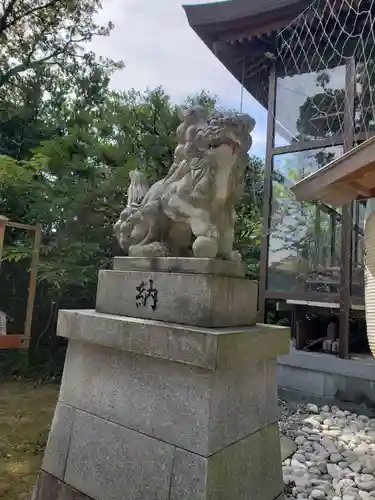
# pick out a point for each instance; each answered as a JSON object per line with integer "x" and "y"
{"x": 358, "y": 250}
{"x": 309, "y": 106}
{"x": 364, "y": 108}
{"x": 304, "y": 240}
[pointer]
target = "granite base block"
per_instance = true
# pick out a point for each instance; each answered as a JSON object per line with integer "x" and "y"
{"x": 49, "y": 487}
{"x": 199, "y": 410}
{"x": 248, "y": 469}
{"x": 200, "y": 389}
{"x": 189, "y": 299}
{"x": 57, "y": 448}
{"x": 106, "y": 460}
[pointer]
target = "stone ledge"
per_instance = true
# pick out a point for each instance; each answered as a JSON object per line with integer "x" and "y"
{"x": 323, "y": 382}
{"x": 326, "y": 363}
{"x": 207, "y": 348}
{"x": 187, "y": 265}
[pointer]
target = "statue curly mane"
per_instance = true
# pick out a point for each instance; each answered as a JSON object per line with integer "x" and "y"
{"x": 138, "y": 187}
{"x": 196, "y": 198}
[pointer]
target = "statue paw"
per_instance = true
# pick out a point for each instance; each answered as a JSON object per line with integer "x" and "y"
{"x": 235, "y": 256}
{"x": 150, "y": 250}
{"x": 205, "y": 247}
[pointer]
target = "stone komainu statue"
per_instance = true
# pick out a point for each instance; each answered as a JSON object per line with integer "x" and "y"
{"x": 191, "y": 211}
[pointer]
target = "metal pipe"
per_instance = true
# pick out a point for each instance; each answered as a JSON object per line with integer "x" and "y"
{"x": 3, "y": 221}
{"x": 32, "y": 285}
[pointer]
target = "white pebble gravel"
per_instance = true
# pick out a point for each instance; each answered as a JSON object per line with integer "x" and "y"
{"x": 335, "y": 453}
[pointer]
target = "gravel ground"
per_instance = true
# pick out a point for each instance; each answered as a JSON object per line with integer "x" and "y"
{"x": 334, "y": 454}
{"x": 291, "y": 415}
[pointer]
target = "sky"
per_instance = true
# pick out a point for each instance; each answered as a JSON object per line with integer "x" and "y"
{"x": 157, "y": 45}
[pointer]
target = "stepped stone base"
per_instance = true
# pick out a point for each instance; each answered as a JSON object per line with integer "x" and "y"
{"x": 158, "y": 410}
{"x": 163, "y": 427}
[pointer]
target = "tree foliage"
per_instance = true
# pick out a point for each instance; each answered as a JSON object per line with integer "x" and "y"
{"x": 248, "y": 228}
{"x": 47, "y": 36}
{"x": 67, "y": 145}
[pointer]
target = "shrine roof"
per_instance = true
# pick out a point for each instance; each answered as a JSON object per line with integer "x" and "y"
{"x": 242, "y": 35}
{"x": 213, "y": 17}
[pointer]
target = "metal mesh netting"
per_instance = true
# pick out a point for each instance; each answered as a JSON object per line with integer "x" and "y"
{"x": 323, "y": 37}
{"x": 311, "y": 99}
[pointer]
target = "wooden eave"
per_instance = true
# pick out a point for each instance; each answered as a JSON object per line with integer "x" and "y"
{"x": 240, "y": 32}
{"x": 235, "y": 19}
{"x": 347, "y": 178}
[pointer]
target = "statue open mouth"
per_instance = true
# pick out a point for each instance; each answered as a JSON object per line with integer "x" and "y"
{"x": 164, "y": 220}
{"x": 232, "y": 144}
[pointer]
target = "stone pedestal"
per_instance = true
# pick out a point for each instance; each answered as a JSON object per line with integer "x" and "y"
{"x": 159, "y": 408}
